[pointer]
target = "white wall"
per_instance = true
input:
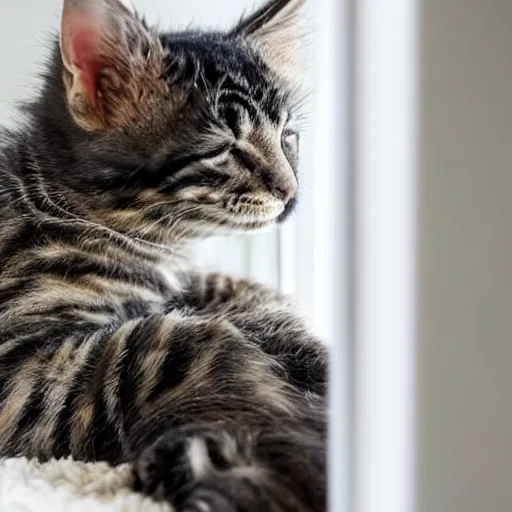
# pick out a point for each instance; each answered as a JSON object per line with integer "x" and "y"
{"x": 465, "y": 315}
{"x": 24, "y": 27}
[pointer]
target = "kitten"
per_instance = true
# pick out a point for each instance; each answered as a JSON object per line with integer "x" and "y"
{"x": 112, "y": 347}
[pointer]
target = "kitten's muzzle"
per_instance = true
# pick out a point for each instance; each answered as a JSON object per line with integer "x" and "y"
{"x": 285, "y": 191}
{"x": 283, "y": 187}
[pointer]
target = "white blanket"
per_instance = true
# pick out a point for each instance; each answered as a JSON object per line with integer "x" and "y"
{"x": 69, "y": 486}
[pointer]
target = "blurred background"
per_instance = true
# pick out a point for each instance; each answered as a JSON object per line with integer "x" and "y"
{"x": 400, "y": 253}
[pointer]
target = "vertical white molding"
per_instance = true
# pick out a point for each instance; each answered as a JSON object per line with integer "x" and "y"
{"x": 329, "y": 235}
{"x": 329, "y": 170}
{"x": 386, "y": 156}
{"x": 314, "y": 245}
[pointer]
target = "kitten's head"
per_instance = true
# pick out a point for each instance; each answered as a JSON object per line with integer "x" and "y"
{"x": 193, "y": 131}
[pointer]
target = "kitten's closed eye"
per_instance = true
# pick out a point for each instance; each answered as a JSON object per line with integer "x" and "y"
{"x": 245, "y": 159}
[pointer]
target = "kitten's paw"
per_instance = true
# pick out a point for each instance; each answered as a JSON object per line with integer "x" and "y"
{"x": 196, "y": 470}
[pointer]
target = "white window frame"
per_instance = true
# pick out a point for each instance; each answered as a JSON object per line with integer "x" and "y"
{"x": 314, "y": 246}
{"x": 348, "y": 255}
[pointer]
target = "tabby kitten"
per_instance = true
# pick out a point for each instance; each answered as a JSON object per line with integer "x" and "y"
{"x": 112, "y": 346}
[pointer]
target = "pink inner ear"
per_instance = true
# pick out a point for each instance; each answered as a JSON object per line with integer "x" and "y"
{"x": 81, "y": 44}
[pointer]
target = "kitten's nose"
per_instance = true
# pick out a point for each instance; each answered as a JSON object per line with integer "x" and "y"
{"x": 285, "y": 190}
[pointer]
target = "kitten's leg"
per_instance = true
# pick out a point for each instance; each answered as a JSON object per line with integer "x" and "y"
{"x": 217, "y": 293}
{"x": 267, "y": 318}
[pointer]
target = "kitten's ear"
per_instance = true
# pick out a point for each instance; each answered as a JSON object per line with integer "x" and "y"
{"x": 277, "y": 29}
{"x": 103, "y": 45}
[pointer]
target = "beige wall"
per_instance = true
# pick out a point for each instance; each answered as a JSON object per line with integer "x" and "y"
{"x": 465, "y": 321}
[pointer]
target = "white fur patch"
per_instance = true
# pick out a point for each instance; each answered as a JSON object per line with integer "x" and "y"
{"x": 198, "y": 457}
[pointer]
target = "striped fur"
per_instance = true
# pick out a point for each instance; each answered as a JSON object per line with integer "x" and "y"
{"x": 112, "y": 347}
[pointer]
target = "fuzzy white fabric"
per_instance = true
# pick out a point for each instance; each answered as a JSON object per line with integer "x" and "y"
{"x": 69, "y": 486}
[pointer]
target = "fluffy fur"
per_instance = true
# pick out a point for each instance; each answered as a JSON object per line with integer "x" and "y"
{"x": 70, "y": 486}
{"x": 112, "y": 348}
